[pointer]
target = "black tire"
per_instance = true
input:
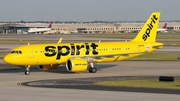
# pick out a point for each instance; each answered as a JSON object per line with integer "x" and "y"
{"x": 94, "y": 70}
{"x": 27, "y": 72}
{"x": 90, "y": 70}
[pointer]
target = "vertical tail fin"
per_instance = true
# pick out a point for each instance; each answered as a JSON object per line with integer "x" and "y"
{"x": 164, "y": 27}
{"x": 22, "y": 22}
{"x": 149, "y": 31}
{"x": 50, "y": 25}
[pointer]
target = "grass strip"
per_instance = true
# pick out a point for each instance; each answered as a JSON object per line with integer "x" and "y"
{"x": 141, "y": 84}
{"x": 125, "y": 34}
{"x": 157, "y": 57}
{"x": 170, "y": 43}
{"x": 132, "y": 37}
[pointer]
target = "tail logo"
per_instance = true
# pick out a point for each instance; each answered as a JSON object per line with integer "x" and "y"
{"x": 150, "y": 27}
{"x": 165, "y": 25}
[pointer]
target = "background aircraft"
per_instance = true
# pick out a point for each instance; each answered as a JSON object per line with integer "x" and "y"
{"x": 40, "y": 30}
{"x": 22, "y": 22}
{"x": 164, "y": 29}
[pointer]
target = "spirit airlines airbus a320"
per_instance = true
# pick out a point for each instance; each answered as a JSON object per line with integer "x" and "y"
{"x": 79, "y": 56}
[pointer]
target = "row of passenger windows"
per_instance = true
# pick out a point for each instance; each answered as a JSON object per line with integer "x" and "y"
{"x": 17, "y": 52}
{"x": 85, "y": 50}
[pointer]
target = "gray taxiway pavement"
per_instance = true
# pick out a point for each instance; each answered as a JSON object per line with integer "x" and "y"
{"x": 9, "y": 90}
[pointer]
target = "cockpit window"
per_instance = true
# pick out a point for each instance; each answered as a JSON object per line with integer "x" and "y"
{"x": 16, "y": 52}
{"x": 20, "y": 52}
{"x": 13, "y": 52}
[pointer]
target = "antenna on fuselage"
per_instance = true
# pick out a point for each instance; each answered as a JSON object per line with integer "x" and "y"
{"x": 60, "y": 40}
{"x": 29, "y": 43}
{"x": 99, "y": 41}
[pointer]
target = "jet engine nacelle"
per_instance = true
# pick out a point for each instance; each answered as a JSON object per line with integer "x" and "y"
{"x": 76, "y": 65}
{"x": 48, "y": 67}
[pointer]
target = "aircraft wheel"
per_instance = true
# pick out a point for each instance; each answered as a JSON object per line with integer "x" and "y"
{"x": 92, "y": 70}
{"x": 27, "y": 72}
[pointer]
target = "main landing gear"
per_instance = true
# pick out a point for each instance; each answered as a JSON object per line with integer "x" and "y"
{"x": 27, "y": 72}
{"x": 92, "y": 69}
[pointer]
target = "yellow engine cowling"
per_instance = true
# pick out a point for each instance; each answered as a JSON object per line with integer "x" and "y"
{"x": 48, "y": 67}
{"x": 76, "y": 65}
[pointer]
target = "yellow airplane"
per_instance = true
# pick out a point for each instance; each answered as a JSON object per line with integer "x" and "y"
{"x": 79, "y": 56}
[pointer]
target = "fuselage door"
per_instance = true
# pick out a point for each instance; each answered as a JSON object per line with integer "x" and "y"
{"x": 31, "y": 52}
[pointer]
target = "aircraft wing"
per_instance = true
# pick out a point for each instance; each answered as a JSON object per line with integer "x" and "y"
{"x": 110, "y": 56}
{"x": 100, "y": 57}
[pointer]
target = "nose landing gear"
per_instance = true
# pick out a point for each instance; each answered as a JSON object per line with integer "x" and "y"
{"x": 27, "y": 72}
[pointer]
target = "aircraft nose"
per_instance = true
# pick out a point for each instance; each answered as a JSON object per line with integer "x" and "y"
{"x": 8, "y": 59}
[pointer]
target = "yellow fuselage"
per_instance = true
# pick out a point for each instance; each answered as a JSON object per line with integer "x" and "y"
{"x": 59, "y": 53}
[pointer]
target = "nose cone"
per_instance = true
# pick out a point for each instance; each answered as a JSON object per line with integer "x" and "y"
{"x": 9, "y": 59}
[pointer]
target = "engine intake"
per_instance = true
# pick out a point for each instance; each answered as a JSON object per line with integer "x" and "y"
{"x": 76, "y": 65}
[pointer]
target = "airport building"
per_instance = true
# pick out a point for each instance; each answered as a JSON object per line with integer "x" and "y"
{"x": 82, "y": 28}
{"x": 12, "y": 28}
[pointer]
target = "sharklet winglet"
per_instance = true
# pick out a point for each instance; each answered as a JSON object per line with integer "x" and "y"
{"x": 60, "y": 40}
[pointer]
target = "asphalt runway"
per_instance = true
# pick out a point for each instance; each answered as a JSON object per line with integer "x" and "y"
{"x": 9, "y": 90}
